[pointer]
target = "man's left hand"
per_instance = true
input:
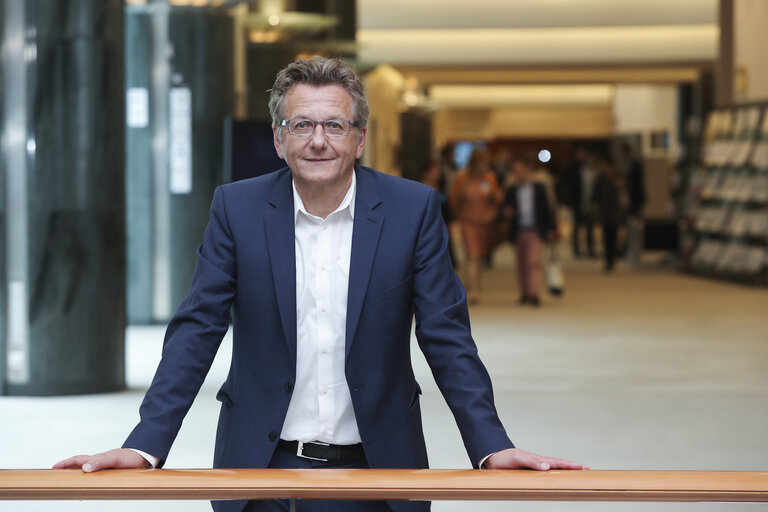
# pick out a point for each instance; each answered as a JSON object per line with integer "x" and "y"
{"x": 514, "y": 458}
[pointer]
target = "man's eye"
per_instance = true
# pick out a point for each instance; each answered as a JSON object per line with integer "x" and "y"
{"x": 333, "y": 125}
{"x": 301, "y": 125}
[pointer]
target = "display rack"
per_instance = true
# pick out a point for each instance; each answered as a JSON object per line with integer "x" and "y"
{"x": 726, "y": 212}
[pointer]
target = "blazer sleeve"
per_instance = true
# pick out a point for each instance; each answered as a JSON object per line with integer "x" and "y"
{"x": 191, "y": 340}
{"x": 443, "y": 333}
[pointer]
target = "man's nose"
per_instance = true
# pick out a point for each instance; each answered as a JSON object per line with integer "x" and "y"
{"x": 318, "y": 138}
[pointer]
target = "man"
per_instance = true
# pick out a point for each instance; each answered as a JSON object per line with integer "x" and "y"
{"x": 580, "y": 177}
{"x": 532, "y": 225}
{"x": 634, "y": 175}
{"x": 324, "y": 265}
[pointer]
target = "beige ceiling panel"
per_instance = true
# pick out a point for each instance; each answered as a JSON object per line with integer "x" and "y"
{"x": 526, "y": 122}
{"x": 492, "y": 96}
{"x": 532, "y": 13}
{"x": 545, "y": 46}
{"x": 574, "y": 122}
{"x": 612, "y": 74}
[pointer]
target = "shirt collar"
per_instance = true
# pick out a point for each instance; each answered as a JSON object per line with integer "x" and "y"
{"x": 347, "y": 203}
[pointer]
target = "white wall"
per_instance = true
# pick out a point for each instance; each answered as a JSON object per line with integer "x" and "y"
{"x": 645, "y": 109}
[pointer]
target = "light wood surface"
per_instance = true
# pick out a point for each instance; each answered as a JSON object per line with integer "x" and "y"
{"x": 393, "y": 484}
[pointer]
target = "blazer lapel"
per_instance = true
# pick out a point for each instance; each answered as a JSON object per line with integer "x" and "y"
{"x": 365, "y": 240}
{"x": 279, "y": 224}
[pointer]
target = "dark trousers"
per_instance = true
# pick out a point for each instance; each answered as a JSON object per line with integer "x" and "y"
{"x": 285, "y": 460}
{"x": 579, "y": 219}
{"x": 609, "y": 244}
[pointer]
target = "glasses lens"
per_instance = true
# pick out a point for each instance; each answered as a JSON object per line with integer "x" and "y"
{"x": 301, "y": 126}
{"x": 336, "y": 127}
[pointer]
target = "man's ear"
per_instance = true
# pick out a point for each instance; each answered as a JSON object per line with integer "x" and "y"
{"x": 276, "y": 140}
{"x": 361, "y": 142}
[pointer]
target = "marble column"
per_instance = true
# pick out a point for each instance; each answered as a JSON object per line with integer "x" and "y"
{"x": 183, "y": 58}
{"x": 63, "y": 170}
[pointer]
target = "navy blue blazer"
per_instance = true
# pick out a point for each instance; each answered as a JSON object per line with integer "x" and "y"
{"x": 399, "y": 268}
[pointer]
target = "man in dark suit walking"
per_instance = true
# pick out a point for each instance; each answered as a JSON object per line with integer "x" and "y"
{"x": 324, "y": 265}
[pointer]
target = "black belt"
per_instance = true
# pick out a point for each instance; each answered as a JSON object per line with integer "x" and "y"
{"x": 323, "y": 451}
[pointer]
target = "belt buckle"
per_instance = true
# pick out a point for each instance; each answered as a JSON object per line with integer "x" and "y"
{"x": 300, "y": 451}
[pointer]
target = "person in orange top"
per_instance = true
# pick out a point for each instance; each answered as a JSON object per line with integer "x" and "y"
{"x": 475, "y": 200}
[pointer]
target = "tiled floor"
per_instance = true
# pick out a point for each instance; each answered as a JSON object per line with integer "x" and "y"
{"x": 644, "y": 369}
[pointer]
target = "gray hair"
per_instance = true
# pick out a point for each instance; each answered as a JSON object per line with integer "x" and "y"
{"x": 318, "y": 71}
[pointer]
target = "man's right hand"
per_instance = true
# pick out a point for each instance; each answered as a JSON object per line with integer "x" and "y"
{"x": 121, "y": 458}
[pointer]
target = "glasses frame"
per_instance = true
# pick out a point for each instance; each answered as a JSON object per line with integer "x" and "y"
{"x": 286, "y": 123}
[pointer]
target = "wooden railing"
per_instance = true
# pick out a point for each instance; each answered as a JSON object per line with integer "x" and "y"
{"x": 380, "y": 484}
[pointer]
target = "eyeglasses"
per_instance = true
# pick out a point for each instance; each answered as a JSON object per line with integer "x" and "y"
{"x": 306, "y": 127}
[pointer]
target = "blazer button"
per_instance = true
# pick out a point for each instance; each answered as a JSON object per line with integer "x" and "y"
{"x": 273, "y": 436}
{"x": 288, "y": 387}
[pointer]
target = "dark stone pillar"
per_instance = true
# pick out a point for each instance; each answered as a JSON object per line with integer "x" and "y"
{"x": 139, "y": 163}
{"x": 182, "y": 58}
{"x": 264, "y": 61}
{"x": 64, "y": 248}
{"x": 202, "y": 61}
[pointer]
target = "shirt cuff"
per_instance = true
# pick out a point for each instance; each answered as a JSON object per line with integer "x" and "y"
{"x": 154, "y": 461}
{"x": 482, "y": 461}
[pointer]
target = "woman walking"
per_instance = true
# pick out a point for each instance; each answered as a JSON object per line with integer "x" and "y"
{"x": 475, "y": 200}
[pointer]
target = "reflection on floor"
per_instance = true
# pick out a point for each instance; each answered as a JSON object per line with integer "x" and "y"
{"x": 643, "y": 369}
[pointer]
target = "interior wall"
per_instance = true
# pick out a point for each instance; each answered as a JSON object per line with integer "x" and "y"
{"x": 750, "y": 41}
{"x": 523, "y": 122}
{"x": 644, "y": 110}
{"x": 384, "y": 88}
{"x": 647, "y": 109}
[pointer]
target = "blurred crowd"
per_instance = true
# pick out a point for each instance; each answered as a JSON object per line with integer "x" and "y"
{"x": 515, "y": 197}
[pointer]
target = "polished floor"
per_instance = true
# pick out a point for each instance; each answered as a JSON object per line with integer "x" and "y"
{"x": 640, "y": 369}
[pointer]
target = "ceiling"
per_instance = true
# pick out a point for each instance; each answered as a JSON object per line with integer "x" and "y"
{"x": 495, "y": 44}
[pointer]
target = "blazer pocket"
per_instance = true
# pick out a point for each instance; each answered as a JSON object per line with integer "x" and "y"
{"x": 415, "y": 396}
{"x": 380, "y": 297}
{"x": 223, "y": 397}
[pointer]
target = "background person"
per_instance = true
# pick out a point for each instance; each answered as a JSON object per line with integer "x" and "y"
{"x": 607, "y": 198}
{"x": 432, "y": 176}
{"x": 475, "y": 200}
{"x": 580, "y": 177}
{"x": 531, "y": 225}
{"x": 634, "y": 179}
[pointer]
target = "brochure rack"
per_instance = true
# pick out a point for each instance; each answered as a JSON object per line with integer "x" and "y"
{"x": 726, "y": 207}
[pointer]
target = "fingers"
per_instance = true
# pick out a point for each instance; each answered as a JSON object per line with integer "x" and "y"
{"x": 533, "y": 461}
{"x": 75, "y": 462}
{"x": 113, "y": 459}
{"x": 519, "y": 459}
{"x": 562, "y": 464}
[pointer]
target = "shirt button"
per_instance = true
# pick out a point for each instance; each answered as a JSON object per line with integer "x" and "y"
{"x": 323, "y": 390}
{"x": 325, "y": 350}
{"x": 323, "y": 267}
{"x": 322, "y": 308}
{"x": 325, "y": 226}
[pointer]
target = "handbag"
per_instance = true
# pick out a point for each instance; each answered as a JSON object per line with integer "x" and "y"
{"x": 554, "y": 272}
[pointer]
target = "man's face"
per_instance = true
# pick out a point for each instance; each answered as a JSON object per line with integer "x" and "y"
{"x": 318, "y": 159}
{"x": 521, "y": 170}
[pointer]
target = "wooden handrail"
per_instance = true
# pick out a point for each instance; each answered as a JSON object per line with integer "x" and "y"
{"x": 380, "y": 484}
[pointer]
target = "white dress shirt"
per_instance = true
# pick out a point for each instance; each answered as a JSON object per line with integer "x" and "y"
{"x": 526, "y": 211}
{"x": 321, "y": 405}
